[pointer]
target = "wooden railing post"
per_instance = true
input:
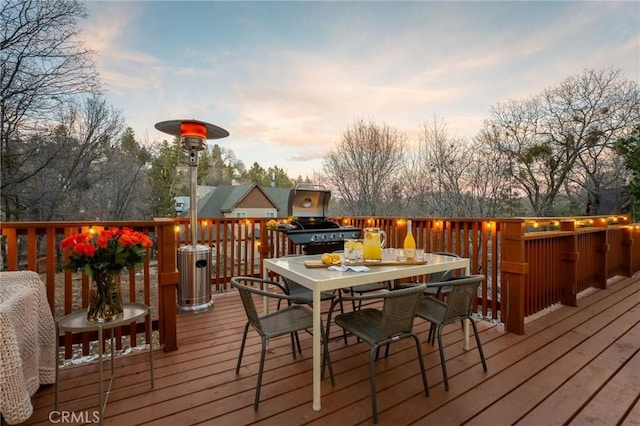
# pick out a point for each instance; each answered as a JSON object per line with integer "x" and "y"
{"x": 513, "y": 275}
{"x": 602, "y": 248}
{"x": 627, "y": 249}
{"x": 569, "y": 272}
{"x": 12, "y": 248}
{"x": 168, "y": 279}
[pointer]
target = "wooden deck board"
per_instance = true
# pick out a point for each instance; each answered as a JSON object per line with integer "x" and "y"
{"x": 577, "y": 365}
{"x": 571, "y": 354}
{"x": 608, "y": 406}
{"x": 633, "y": 418}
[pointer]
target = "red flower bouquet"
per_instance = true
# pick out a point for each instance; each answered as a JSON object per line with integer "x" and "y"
{"x": 102, "y": 256}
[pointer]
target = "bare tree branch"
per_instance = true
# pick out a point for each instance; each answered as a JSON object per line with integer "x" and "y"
{"x": 364, "y": 168}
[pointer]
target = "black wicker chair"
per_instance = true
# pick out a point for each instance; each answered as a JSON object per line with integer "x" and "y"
{"x": 288, "y": 320}
{"x": 436, "y": 288}
{"x": 457, "y": 307}
{"x": 381, "y": 327}
{"x": 438, "y": 277}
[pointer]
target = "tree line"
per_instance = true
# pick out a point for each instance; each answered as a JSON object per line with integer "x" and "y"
{"x": 66, "y": 154}
{"x": 552, "y": 154}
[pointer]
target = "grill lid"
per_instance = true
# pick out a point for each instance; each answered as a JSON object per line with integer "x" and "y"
{"x": 309, "y": 209}
{"x": 308, "y": 201}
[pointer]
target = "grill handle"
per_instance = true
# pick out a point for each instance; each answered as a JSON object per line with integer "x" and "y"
{"x": 310, "y": 187}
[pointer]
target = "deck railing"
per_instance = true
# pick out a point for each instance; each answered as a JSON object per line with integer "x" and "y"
{"x": 35, "y": 246}
{"x": 529, "y": 263}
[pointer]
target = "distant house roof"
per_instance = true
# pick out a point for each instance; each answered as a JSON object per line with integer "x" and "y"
{"x": 225, "y": 198}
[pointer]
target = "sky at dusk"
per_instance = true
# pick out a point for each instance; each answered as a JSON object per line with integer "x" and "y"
{"x": 286, "y": 79}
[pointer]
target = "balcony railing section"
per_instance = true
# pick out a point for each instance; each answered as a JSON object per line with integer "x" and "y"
{"x": 542, "y": 265}
{"x": 530, "y": 264}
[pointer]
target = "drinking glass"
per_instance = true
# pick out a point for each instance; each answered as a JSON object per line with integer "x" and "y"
{"x": 353, "y": 251}
{"x": 401, "y": 255}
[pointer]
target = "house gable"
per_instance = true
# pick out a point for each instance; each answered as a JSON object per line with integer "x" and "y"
{"x": 255, "y": 199}
{"x": 249, "y": 201}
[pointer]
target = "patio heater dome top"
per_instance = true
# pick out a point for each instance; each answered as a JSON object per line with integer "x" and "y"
{"x": 193, "y": 128}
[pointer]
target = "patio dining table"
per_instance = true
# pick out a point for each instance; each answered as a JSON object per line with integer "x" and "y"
{"x": 323, "y": 279}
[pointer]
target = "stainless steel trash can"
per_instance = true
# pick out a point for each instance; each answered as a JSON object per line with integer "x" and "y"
{"x": 194, "y": 288}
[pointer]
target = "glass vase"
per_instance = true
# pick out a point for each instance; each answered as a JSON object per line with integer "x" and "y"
{"x": 105, "y": 298}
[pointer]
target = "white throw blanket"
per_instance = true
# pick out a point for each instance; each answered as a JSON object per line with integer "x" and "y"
{"x": 27, "y": 343}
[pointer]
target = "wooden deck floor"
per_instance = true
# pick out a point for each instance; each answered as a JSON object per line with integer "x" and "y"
{"x": 575, "y": 365}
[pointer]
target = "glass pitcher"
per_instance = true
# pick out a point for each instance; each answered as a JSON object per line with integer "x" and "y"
{"x": 374, "y": 240}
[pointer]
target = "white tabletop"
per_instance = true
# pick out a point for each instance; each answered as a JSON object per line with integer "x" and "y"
{"x": 295, "y": 269}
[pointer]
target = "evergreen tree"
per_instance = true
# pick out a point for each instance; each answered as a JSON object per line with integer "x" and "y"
{"x": 165, "y": 178}
{"x": 629, "y": 149}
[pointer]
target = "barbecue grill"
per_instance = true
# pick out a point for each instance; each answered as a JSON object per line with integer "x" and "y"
{"x": 309, "y": 207}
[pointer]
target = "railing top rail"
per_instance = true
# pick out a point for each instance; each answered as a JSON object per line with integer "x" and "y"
{"x": 41, "y": 228}
{"x": 66, "y": 224}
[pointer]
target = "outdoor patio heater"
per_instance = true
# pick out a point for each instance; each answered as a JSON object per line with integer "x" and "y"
{"x": 194, "y": 260}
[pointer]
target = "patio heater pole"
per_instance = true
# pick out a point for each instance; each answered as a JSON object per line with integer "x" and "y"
{"x": 194, "y": 260}
{"x": 193, "y": 145}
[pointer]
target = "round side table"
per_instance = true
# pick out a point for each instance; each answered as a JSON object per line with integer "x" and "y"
{"x": 77, "y": 323}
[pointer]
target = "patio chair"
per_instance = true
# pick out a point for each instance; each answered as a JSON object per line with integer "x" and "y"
{"x": 456, "y": 308}
{"x": 363, "y": 289}
{"x": 300, "y": 293}
{"x": 438, "y": 291}
{"x": 287, "y": 320}
{"x": 381, "y": 327}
